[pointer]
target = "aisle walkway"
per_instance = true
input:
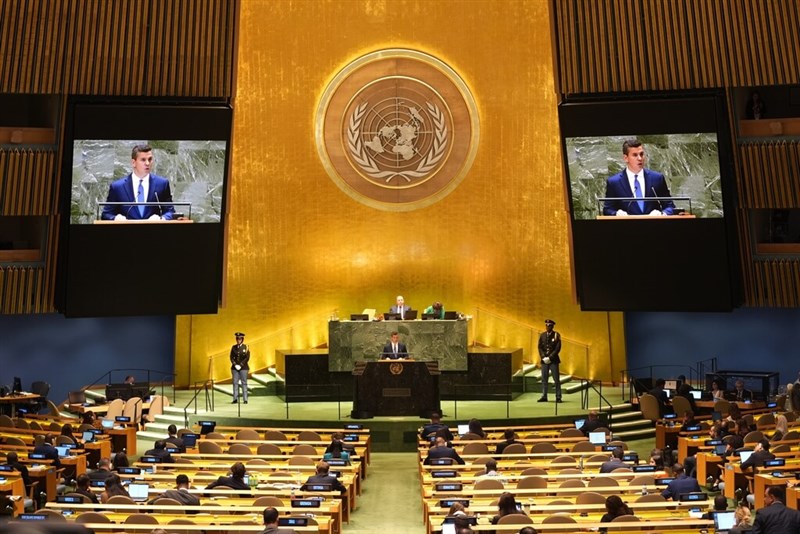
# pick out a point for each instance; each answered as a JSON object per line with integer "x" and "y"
{"x": 390, "y": 500}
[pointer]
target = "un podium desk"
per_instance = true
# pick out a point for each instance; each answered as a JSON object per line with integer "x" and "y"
{"x": 395, "y": 387}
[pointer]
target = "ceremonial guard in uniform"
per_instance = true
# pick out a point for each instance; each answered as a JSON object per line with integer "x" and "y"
{"x": 549, "y": 348}
{"x": 240, "y": 357}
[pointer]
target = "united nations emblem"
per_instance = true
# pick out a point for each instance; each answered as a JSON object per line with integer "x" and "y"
{"x": 397, "y": 129}
{"x": 396, "y": 368}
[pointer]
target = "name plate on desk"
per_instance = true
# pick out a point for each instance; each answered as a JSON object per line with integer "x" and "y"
{"x": 396, "y": 392}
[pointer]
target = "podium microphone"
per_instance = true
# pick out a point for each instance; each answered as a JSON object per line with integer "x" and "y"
{"x": 160, "y": 213}
{"x": 660, "y": 206}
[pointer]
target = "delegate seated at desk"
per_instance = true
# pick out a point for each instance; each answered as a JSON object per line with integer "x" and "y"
{"x": 394, "y": 350}
{"x": 635, "y": 182}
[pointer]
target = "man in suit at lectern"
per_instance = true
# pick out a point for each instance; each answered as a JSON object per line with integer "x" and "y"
{"x": 635, "y": 182}
{"x": 394, "y": 350}
{"x": 139, "y": 186}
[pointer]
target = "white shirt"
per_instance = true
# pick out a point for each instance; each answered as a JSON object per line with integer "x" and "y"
{"x": 145, "y": 185}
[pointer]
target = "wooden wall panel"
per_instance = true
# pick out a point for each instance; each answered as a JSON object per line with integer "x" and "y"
{"x": 124, "y": 47}
{"x": 770, "y": 174}
{"x": 645, "y": 45}
{"x": 27, "y": 181}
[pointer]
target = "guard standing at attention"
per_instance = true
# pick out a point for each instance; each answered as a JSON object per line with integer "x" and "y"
{"x": 240, "y": 358}
{"x": 549, "y": 349}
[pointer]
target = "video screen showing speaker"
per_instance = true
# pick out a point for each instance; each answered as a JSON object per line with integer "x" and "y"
{"x": 143, "y": 196}
{"x": 650, "y": 190}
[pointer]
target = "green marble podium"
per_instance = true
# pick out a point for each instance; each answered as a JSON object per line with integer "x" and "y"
{"x": 444, "y": 342}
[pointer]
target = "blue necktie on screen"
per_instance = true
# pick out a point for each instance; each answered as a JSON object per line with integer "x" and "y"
{"x": 140, "y": 197}
{"x": 637, "y": 192}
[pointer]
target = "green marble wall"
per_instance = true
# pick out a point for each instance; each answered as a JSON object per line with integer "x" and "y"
{"x": 690, "y": 163}
{"x": 443, "y": 341}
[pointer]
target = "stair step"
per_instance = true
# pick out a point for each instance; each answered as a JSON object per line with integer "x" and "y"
{"x": 627, "y": 425}
{"x": 629, "y": 435}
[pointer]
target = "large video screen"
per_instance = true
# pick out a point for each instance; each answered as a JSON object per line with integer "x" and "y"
{"x": 651, "y": 192}
{"x": 103, "y": 168}
{"x": 143, "y": 195}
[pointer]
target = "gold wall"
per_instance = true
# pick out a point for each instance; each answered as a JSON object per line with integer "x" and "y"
{"x": 298, "y": 247}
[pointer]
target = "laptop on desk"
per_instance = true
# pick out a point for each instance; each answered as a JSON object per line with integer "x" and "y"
{"x": 138, "y": 492}
{"x": 724, "y": 521}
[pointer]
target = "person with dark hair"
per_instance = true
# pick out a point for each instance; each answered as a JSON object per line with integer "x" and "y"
{"x": 120, "y": 460}
{"x": 129, "y": 380}
{"x": 717, "y": 393}
{"x": 592, "y": 423}
{"x": 12, "y": 460}
{"x": 549, "y": 353}
{"x": 775, "y": 517}
{"x": 615, "y": 462}
{"x": 661, "y": 396}
{"x": 88, "y": 418}
{"x": 174, "y": 440}
{"x": 685, "y": 391}
{"x": 434, "y": 426}
{"x": 720, "y": 505}
{"x": 436, "y": 309}
{"x": 475, "y": 427}
{"x": 240, "y": 367}
{"x": 527, "y": 530}
{"x": 322, "y": 477}
{"x": 510, "y": 438}
{"x": 755, "y": 108}
{"x": 760, "y": 455}
{"x": 139, "y": 186}
{"x": 336, "y": 450}
{"x": 234, "y": 481}
{"x": 681, "y": 484}
{"x": 615, "y": 507}
{"x": 181, "y": 492}
{"x": 628, "y": 190}
{"x": 506, "y": 505}
{"x": 82, "y": 486}
{"x": 490, "y": 470}
{"x": 113, "y": 487}
{"x": 400, "y": 307}
{"x": 47, "y": 449}
{"x": 441, "y": 450}
{"x": 68, "y": 431}
{"x": 103, "y": 470}
{"x": 739, "y": 393}
{"x": 688, "y": 421}
{"x": 394, "y": 350}
{"x": 271, "y": 522}
{"x": 160, "y": 451}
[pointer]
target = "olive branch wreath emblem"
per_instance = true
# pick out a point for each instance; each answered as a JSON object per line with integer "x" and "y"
{"x": 368, "y": 165}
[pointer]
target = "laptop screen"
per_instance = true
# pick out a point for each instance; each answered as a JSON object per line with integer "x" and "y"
{"x": 696, "y": 394}
{"x": 88, "y": 436}
{"x": 138, "y": 492}
{"x": 744, "y": 455}
{"x": 579, "y": 423}
{"x": 62, "y": 451}
{"x": 463, "y": 429}
{"x": 107, "y": 423}
{"x": 724, "y": 521}
{"x": 449, "y": 528}
{"x": 670, "y": 384}
{"x": 597, "y": 438}
{"x": 720, "y": 449}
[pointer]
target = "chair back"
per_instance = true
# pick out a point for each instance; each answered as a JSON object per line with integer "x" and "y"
{"x": 274, "y": 435}
{"x": 560, "y": 518}
{"x": 681, "y": 405}
{"x": 543, "y": 446}
{"x": 301, "y": 460}
{"x": 590, "y": 497}
{"x": 571, "y": 433}
{"x": 115, "y": 408}
{"x": 303, "y": 449}
{"x": 475, "y": 448}
{"x": 650, "y": 407}
{"x": 22, "y": 424}
{"x": 572, "y": 483}
{"x": 532, "y": 482}
{"x": 268, "y": 500}
{"x": 51, "y": 515}
{"x": 603, "y": 482}
{"x": 133, "y": 409}
{"x": 308, "y": 435}
{"x": 248, "y": 433}
{"x": 239, "y": 448}
{"x": 208, "y": 447}
{"x": 514, "y": 448}
{"x": 120, "y": 499}
{"x": 584, "y": 446}
{"x": 489, "y": 483}
{"x": 627, "y": 518}
{"x": 268, "y": 449}
{"x": 515, "y": 519}
{"x": 141, "y": 519}
{"x": 753, "y": 437}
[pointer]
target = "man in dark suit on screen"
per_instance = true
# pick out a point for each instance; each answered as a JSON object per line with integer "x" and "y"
{"x": 139, "y": 186}
{"x": 635, "y": 182}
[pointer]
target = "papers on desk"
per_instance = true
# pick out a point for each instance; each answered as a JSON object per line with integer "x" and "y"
{"x": 280, "y": 486}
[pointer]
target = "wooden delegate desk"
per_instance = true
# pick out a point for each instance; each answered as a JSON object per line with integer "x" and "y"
{"x": 793, "y": 497}
{"x": 14, "y": 486}
{"x": 46, "y": 475}
{"x": 396, "y": 387}
{"x": 17, "y": 398}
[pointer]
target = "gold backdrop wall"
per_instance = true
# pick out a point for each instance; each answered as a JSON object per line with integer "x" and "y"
{"x": 299, "y": 248}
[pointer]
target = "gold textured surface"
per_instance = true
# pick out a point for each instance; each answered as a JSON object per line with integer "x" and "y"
{"x": 299, "y": 248}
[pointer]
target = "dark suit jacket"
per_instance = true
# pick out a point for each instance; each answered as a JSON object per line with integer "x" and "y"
{"x": 614, "y": 463}
{"x": 23, "y": 473}
{"x": 551, "y": 341}
{"x": 682, "y": 484}
{"x": 443, "y": 452}
{"x": 757, "y": 459}
{"x": 99, "y": 474}
{"x": 396, "y": 309}
{"x": 591, "y": 426}
{"x": 50, "y": 452}
{"x": 746, "y": 395}
{"x": 165, "y": 456}
{"x": 177, "y": 442}
{"x": 503, "y": 444}
{"x": 122, "y": 191}
{"x": 183, "y": 497}
{"x": 327, "y": 479}
{"x": 777, "y": 519}
{"x": 402, "y": 352}
{"x": 230, "y": 482}
{"x": 88, "y": 494}
{"x": 655, "y": 185}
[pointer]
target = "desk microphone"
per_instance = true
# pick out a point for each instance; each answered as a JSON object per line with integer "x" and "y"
{"x": 660, "y": 206}
{"x": 160, "y": 214}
